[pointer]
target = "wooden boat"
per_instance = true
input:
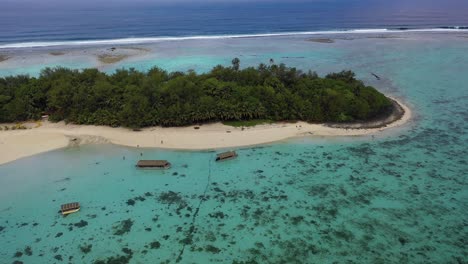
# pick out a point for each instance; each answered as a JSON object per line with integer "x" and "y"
{"x": 153, "y": 164}
{"x": 226, "y": 156}
{"x": 69, "y": 208}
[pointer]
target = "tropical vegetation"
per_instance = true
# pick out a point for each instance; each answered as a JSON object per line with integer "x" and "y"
{"x": 135, "y": 99}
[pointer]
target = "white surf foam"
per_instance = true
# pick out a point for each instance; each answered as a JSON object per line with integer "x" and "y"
{"x": 124, "y": 41}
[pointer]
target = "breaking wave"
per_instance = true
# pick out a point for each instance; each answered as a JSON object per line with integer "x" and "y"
{"x": 124, "y": 41}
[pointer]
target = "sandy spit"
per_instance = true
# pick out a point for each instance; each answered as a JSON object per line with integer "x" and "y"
{"x": 16, "y": 144}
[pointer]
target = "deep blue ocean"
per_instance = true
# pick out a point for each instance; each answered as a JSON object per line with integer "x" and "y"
{"x": 23, "y": 21}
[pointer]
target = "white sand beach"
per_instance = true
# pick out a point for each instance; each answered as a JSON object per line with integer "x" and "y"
{"x": 16, "y": 144}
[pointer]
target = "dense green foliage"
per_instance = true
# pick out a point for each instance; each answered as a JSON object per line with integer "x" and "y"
{"x": 137, "y": 99}
{"x": 247, "y": 123}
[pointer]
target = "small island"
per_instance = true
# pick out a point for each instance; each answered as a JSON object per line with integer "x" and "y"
{"x": 227, "y": 107}
{"x": 134, "y": 99}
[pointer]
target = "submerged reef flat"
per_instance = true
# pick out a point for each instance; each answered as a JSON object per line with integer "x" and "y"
{"x": 363, "y": 202}
{"x": 117, "y": 54}
{"x": 3, "y": 58}
{"x": 57, "y": 53}
{"x": 109, "y": 59}
{"x": 321, "y": 40}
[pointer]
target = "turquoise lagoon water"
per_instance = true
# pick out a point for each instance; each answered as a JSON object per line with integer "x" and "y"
{"x": 398, "y": 197}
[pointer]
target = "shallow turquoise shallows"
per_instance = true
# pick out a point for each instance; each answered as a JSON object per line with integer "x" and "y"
{"x": 398, "y": 197}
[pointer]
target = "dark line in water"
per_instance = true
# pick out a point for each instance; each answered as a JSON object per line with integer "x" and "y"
{"x": 194, "y": 218}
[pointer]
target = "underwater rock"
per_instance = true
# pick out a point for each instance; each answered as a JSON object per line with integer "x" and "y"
{"x": 155, "y": 245}
{"x": 186, "y": 241}
{"x": 28, "y": 251}
{"x": 297, "y": 219}
{"x": 127, "y": 251}
{"x": 212, "y": 249}
{"x": 344, "y": 234}
{"x": 2, "y": 228}
{"x": 259, "y": 245}
{"x": 124, "y": 227}
{"x": 59, "y": 234}
{"x": 58, "y": 257}
{"x": 217, "y": 189}
{"x": 131, "y": 202}
{"x": 217, "y": 215}
{"x": 86, "y": 248}
{"x": 245, "y": 262}
{"x": 18, "y": 254}
{"x": 118, "y": 259}
{"x": 17, "y": 262}
{"x": 402, "y": 240}
{"x": 81, "y": 224}
{"x": 114, "y": 260}
{"x": 170, "y": 197}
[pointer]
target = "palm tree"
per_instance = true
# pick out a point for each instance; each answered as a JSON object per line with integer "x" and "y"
{"x": 236, "y": 64}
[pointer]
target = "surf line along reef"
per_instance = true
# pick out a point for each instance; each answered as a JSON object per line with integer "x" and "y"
{"x": 134, "y": 99}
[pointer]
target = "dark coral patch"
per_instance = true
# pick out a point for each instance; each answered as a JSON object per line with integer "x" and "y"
{"x": 218, "y": 214}
{"x": 124, "y": 227}
{"x": 86, "y": 248}
{"x": 81, "y": 224}
{"x": 155, "y": 245}
{"x": 212, "y": 249}
{"x": 118, "y": 259}
{"x": 28, "y": 251}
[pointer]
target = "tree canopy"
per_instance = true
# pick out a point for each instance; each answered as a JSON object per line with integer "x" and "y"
{"x": 135, "y": 99}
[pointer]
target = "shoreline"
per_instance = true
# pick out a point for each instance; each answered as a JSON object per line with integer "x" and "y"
{"x": 17, "y": 144}
{"x": 398, "y": 111}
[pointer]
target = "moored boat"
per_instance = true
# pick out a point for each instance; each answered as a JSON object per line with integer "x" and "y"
{"x": 69, "y": 208}
{"x": 226, "y": 156}
{"x": 153, "y": 164}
